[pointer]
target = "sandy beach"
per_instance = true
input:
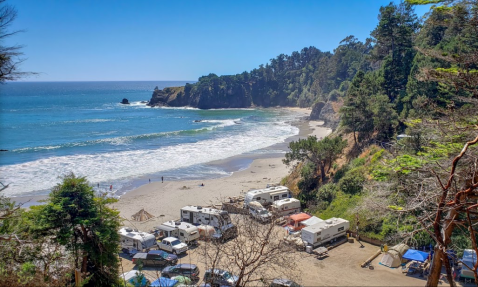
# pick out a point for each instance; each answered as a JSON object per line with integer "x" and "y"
{"x": 164, "y": 200}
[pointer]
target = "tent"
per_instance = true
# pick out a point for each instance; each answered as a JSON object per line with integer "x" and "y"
{"x": 132, "y": 277}
{"x": 163, "y": 282}
{"x": 415, "y": 255}
{"x": 142, "y": 215}
{"x": 183, "y": 280}
{"x": 394, "y": 256}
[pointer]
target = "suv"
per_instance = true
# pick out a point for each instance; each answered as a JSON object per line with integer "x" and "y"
{"x": 219, "y": 277}
{"x": 283, "y": 283}
{"x": 187, "y": 270}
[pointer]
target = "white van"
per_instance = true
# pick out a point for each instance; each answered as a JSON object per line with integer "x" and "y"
{"x": 285, "y": 207}
{"x": 267, "y": 196}
{"x": 257, "y": 211}
{"x": 185, "y": 232}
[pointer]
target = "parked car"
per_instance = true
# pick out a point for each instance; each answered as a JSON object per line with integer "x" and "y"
{"x": 283, "y": 283}
{"x": 171, "y": 258}
{"x": 219, "y": 277}
{"x": 152, "y": 258}
{"x": 173, "y": 245}
{"x": 187, "y": 270}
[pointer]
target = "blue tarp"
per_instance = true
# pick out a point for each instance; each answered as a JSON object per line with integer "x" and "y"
{"x": 416, "y": 255}
{"x": 163, "y": 282}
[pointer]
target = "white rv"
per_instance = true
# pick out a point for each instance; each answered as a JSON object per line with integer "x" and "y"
{"x": 185, "y": 232}
{"x": 324, "y": 231}
{"x": 285, "y": 207}
{"x": 132, "y": 239}
{"x": 219, "y": 219}
{"x": 267, "y": 196}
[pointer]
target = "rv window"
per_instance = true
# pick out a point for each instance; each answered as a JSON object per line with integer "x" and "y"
{"x": 180, "y": 233}
{"x": 276, "y": 197}
{"x": 341, "y": 228}
{"x": 284, "y": 195}
{"x": 318, "y": 233}
{"x": 207, "y": 218}
{"x": 258, "y": 198}
{"x": 184, "y": 211}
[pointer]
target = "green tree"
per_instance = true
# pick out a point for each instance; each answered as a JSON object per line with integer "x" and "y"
{"x": 85, "y": 226}
{"x": 385, "y": 118}
{"x": 356, "y": 113}
{"x": 320, "y": 153}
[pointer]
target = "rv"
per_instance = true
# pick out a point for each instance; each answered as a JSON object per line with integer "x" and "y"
{"x": 324, "y": 231}
{"x": 219, "y": 219}
{"x": 285, "y": 207}
{"x": 132, "y": 239}
{"x": 185, "y": 232}
{"x": 267, "y": 196}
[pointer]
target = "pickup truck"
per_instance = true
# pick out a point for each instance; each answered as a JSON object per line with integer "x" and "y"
{"x": 173, "y": 245}
{"x": 154, "y": 258}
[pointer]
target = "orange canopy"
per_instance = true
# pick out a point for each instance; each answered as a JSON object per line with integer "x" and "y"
{"x": 299, "y": 217}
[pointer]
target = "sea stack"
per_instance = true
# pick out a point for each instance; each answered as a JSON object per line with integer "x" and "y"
{"x": 125, "y": 101}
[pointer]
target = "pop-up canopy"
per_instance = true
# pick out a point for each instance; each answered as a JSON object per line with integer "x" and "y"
{"x": 416, "y": 255}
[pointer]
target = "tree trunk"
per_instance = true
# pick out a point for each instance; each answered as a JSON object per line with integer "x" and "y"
{"x": 435, "y": 269}
{"x": 322, "y": 172}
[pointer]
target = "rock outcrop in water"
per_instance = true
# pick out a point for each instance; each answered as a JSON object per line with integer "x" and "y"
{"x": 125, "y": 101}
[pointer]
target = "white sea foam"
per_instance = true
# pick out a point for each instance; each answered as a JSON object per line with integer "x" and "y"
{"x": 107, "y": 167}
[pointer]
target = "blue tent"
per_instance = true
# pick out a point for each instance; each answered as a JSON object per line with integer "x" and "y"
{"x": 163, "y": 282}
{"x": 416, "y": 255}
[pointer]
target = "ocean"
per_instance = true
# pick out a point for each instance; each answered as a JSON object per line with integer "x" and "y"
{"x": 50, "y": 129}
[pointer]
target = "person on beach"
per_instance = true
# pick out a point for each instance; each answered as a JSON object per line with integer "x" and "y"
{"x": 162, "y": 179}
{"x": 111, "y": 187}
{"x": 150, "y": 180}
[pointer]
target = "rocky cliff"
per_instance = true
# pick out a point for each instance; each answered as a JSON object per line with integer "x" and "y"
{"x": 327, "y": 112}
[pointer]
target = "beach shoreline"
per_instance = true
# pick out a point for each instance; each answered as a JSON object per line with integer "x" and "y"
{"x": 164, "y": 200}
{"x": 250, "y": 164}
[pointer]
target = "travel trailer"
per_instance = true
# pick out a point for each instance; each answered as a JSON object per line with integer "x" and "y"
{"x": 185, "y": 232}
{"x": 267, "y": 196}
{"x": 324, "y": 231}
{"x": 258, "y": 212}
{"x": 285, "y": 207}
{"x": 132, "y": 239}
{"x": 219, "y": 219}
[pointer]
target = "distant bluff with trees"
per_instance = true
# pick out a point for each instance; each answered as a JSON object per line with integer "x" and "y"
{"x": 298, "y": 79}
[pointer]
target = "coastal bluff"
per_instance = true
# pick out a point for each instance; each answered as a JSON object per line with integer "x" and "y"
{"x": 183, "y": 96}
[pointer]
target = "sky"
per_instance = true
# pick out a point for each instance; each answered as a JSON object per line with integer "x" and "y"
{"x": 152, "y": 40}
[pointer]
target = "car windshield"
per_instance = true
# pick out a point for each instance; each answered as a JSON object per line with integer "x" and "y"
{"x": 263, "y": 212}
{"x": 175, "y": 242}
{"x": 164, "y": 255}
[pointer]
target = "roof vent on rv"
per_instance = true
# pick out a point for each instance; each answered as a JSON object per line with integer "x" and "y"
{"x": 328, "y": 221}
{"x": 128, "y": 229}
{"x": 177, "y": 223}
{"x": 199, "y": 207}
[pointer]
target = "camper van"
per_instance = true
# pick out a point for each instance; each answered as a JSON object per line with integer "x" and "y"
{"x": 258, "y": 212}
{"x": 219, "y": 219}
{"x": 185, "y": 232}
{"x": 285, "y": 207}
{"x": 267, "y": 196}
{"x": 324, "y": 231}
{"x": 132, "y": 239}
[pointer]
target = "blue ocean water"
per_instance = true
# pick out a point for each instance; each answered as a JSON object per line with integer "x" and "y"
{"x": 53, "y": 128}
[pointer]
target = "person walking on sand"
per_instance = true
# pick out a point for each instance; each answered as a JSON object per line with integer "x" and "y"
{"x": 162, "y": 179}
{"x": 150, "y": 180}
{"x": 111, "y": 187}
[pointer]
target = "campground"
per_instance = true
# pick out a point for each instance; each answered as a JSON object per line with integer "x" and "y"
{"x": 340, "y": 268}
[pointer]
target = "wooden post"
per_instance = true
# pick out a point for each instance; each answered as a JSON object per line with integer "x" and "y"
{"x": 78, "y": 278}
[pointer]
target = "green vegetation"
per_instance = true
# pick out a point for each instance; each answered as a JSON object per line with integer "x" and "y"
{"x": 74, "y": 230}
